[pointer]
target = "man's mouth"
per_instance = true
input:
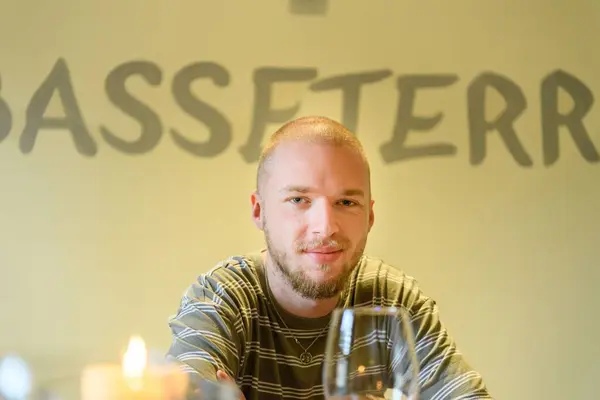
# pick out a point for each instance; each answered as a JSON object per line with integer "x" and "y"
{"x": 324, "y": 254}
{"x": 324, "y": 250}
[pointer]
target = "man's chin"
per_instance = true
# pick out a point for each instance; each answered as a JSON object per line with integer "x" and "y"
{"x": 318, "y": 290}
{"x": 323, "y": 273}
{"x": 325, "y": 276}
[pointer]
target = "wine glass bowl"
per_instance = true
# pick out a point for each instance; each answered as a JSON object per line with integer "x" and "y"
{"x": 370, "y": 354}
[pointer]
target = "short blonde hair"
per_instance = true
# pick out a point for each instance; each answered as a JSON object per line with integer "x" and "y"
{"x": 312, "y": 129}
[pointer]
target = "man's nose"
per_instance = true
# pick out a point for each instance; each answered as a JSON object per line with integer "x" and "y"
{"x": 323, "y": 219}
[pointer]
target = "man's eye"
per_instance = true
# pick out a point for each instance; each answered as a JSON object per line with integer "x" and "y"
{"x": 348, "y": 203}
{"x": 296, "y": 200}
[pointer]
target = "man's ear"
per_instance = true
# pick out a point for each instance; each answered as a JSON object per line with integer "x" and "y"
{"x": 257, "y": 209}
{"x": 371, "y": 215}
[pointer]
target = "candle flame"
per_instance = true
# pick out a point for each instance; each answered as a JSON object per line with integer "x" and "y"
{"x": 134, "y": 361}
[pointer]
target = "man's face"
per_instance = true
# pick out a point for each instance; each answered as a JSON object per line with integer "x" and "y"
{"x": 316, "y": 213}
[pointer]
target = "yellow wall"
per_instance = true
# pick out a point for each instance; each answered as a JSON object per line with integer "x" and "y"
{"x": 97, "y": 244}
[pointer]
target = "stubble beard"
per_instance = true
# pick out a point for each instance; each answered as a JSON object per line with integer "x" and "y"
{"x": 301, "y": 283}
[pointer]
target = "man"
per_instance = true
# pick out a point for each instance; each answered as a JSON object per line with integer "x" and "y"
{"x": 261, "y": 319}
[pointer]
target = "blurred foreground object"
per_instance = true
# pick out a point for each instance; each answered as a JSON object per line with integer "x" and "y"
{"x": 15, "y": 378}
{"x": 134, "y": 378}
{"x": 215, "y": 390}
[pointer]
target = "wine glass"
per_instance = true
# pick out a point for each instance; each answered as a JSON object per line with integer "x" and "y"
{"x": 370, "y": 354}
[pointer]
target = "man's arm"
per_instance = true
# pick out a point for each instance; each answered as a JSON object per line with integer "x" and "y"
{"x": 444, "y": 373}
{"x": 208, "y": 330}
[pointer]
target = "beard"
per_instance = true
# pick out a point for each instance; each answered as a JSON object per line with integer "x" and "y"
{"x": 299, "y": 279}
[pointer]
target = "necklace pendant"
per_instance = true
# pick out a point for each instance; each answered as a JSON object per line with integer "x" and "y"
{"x": 305, "y": 357}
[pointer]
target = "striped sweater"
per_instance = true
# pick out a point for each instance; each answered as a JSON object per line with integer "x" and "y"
{"x": 226, "y": 320}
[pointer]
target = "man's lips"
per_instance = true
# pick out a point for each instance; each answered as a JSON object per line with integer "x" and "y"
{"x": 324, "y": 255}
{"x": 324, "y": 250}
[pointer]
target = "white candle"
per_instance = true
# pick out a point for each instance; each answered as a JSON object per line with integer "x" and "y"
{"x": 134, "y": 379}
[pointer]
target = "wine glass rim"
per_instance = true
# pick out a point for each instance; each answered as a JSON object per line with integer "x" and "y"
{"x": 370, "y": 310}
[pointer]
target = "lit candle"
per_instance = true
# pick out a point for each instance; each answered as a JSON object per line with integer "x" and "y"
{"x": 133, "y": 379}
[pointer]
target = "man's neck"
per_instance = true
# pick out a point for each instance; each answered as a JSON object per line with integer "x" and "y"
{"x": 292, "y": 301}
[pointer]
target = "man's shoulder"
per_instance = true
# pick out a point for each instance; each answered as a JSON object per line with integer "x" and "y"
{"x": 237, "y": 267}
{"x": 237, "y": 275}
{"x": 372, "y": 268}
{"x": 379, "y": 282}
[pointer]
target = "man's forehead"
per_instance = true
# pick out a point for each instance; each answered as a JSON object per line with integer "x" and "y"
{"x": 313, "y": 164}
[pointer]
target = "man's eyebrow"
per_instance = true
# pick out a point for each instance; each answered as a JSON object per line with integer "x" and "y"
{"x": 295, "y": 189}
{"x": 354, "y": 192}
{"x": 306, "y": 189}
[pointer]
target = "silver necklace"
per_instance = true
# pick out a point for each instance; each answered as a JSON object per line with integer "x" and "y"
{"x": 305, "y": 357}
